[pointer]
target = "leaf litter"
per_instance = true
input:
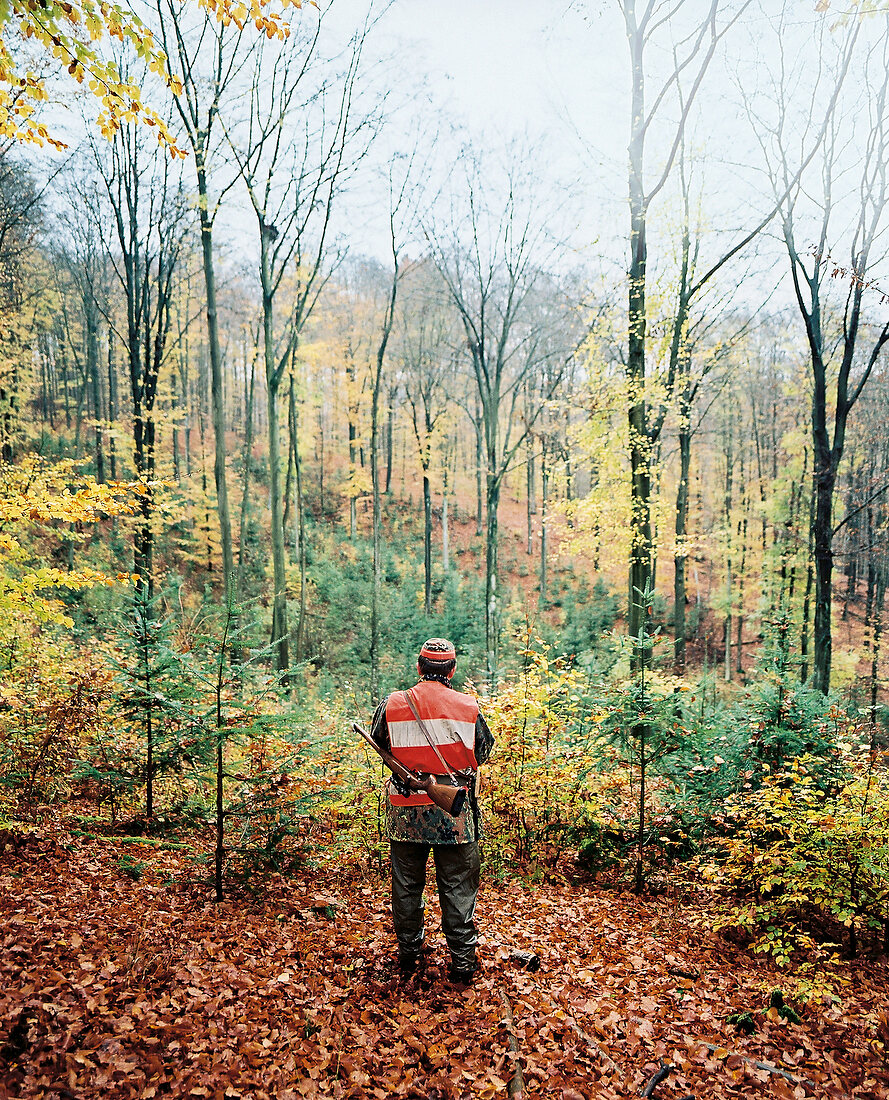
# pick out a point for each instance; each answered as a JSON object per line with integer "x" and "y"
{"x": 143, "y": 989}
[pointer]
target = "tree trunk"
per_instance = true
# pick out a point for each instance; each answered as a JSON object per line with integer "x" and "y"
{"x": 143, "y": 549}
{"x": 78, "y": 419}
{"x": 479, "y": 453}
{"x": 641, "y": 731}
{"x": 245, "y": 488}
{"x": 149, "y": 705}
{"x": 637, "y": 413}
{"x": 217, "y": 385}
{"x": 205, "y": 494}
{"x": 288, "y": 477}
{"x": 279, "y": 638}
{"x": 491, "y": 548}
{"x": 445, "y": 551}
{"x": 112, "y": 406}
{"x": 681, "y": 553}
{"x": 353, "y": 451}
{"x": 427, "y": 544}
{"x": 388, "y": 319}
{"x": 300, "y": 523}
{"x": 739, "y": 618}
{"x": 321, "y": 460}
{"x": 92, "y": 366}
{"x": 853, "y": 548}
{"x": 544, "y": 534}
{"x": 532, "y": 500}
{"x": 175, "y": 405}
{"x": 390, "y": 420}
{"x": 727, "y": 512}
{"x": 822, "y": 542}
{"x": 876, "y": 634}
{"x": 63, "y": 361}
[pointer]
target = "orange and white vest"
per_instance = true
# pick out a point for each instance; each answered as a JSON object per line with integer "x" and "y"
{"x": 449, "y": 717}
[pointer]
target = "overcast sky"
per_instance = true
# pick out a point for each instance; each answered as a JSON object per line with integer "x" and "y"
{"x": 557, "y": 72}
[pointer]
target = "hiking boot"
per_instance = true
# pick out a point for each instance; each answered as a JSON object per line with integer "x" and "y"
{"x": 462, "y": 977}
{"x": 407, "y": 963}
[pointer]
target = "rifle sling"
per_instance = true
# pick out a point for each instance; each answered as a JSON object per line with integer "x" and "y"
{"x": 424, "y": 729}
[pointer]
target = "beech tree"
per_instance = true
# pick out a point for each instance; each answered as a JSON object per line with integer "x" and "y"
{"x": 58, "y": 27}
{"x": 148, "y": 209}
{"x": 426, "y": 355}
{"x": 210, "y": 55}
{"x": 87, "y": 268}
{"x": 22, "y": 216}
{"x": 827, "y": 250}
{"x": 492, "y": 251}
{"x": 293, "y": 151}
{"x": 692, "y": 59}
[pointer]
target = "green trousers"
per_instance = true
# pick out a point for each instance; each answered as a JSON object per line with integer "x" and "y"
{"x": 456, "y": 874}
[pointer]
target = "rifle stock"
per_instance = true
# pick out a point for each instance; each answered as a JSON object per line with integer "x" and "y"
{"x": 450, "y": 799}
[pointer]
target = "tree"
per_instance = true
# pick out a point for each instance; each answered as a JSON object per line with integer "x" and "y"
{"x": 148, "y": 210}
{"x": 58, "y": 28}
{"x": 199, "y": 100}
{"x": 426, "y": 355}
{"x": 492, "y": 252}
{"x": 293, "y": 152}
{"x": 844, "y": 345}
{"x": 693, "y": 56}
{"x": 405, "y": 193}
{"x": 85, "y": 260}
{"x": 22, "y": 216}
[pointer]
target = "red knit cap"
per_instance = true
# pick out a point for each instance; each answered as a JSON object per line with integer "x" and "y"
{"x": 438, "y": 649}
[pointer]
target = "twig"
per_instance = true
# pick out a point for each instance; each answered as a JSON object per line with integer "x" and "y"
{"x": 662, "y": 1074}
{"x": 767, "y": 1066}
{"x": 603, "y": 1056}
{"x": 516, "y": 1086}
{"x": 691, "y": 975}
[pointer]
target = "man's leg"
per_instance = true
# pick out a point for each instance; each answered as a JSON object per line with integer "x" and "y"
{"x": 408, "y": 881}
{"x": 457, "y": 873}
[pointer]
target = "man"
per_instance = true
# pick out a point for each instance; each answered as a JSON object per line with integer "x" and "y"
{"x": 437, "y": 731}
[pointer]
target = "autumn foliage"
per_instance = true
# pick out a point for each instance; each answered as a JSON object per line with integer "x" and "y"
{"x": 73, "y": 34}
{"x": 246, "y": 468}
{"x": 119, "y": 977}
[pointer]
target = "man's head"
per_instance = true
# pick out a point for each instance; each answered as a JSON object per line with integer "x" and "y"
{"x": 437, "y": 658}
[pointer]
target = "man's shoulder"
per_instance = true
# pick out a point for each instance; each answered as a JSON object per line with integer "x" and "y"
{"x": 467, "y": 696}
{"x": 461, "y": 700}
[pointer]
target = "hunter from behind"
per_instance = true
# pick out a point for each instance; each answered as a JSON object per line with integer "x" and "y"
{"x": 439, "y": 736}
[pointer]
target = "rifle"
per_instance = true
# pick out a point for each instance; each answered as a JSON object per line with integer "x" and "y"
{"x": 450, "y": 799}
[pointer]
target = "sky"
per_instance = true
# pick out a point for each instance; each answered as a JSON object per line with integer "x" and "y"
{"x": 557, "y": 74}
{"x": 508, "y": 66}
{"x": 551, "y": 73}
{"x": 558, "y": 71}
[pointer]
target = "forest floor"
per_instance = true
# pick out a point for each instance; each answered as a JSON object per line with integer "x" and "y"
{"x": 119, "y": 977}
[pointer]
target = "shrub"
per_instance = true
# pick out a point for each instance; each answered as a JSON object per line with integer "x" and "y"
{"x": 801, "y": 860}
{"x": 47, "y": 713}
{"x": 547, "y": 792}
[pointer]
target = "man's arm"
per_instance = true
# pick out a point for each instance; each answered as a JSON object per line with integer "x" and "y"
{"x": 379, "y": 729}
{"x": 484, "y": 740}
{"x": 379, "y": 733}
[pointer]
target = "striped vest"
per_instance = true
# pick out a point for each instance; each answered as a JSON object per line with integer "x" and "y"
{"x": 450, "y": 719}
